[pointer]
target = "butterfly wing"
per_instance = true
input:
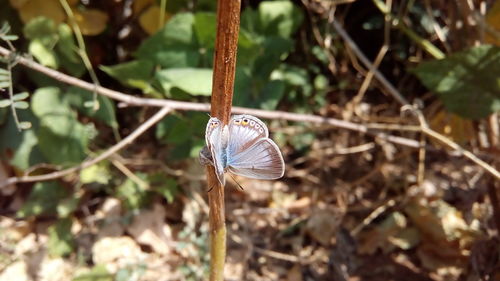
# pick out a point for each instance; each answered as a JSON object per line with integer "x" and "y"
{"x": 262, "y": 160}
{"x": 216, "y": 137}
{"x": 244, "y": 131}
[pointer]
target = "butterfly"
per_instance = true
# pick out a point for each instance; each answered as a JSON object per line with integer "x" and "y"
{"x": 243, "y": 148}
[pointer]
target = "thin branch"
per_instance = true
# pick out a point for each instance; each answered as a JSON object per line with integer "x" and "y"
{"x": 120, "y": 145}
{"x": 423, "y": 123}
{"x": 368, "y": 64}
{"x": 181, "y": 105}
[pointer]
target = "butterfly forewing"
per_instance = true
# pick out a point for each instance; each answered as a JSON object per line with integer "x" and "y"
{"x": 245, "y": 130}
{"x": 262, "y": 160}
{"x": 216, "y": 137}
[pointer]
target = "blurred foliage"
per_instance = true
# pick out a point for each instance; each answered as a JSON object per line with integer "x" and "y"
{"x": 466, "y": 82}
{"x": 157, "y": 53}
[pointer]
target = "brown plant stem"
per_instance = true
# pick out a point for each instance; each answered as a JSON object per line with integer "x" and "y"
{"x": 129, "y": 100}
{"x": 226, "y": 43}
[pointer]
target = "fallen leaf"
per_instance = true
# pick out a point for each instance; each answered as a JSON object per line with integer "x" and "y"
{"x": 116, "y": 252}
{"x": 91, "y": 21}
{"x": 29, "y": 10}
{"x": 295, "y": 274}
{"x": 149, "y": 19}
{"x": 55, "y": 270}
{"x": 17, "y": 271}
{"x": 149, "y": 228}
{"x": 111, "y": 214}
{"x": 322, "y": 225}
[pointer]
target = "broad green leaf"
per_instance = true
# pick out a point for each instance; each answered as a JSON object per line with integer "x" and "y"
{"x": 43, "y": 29}
{"x": 61, "y": 241}
{"x": 43, "y": 35}
{"x": 134, "y": 195}
{"x": 271, "y": 95}
{"x": 77, "y": 97}
{"x": 66, "y": 44}
{"x": 43, "y": 54}
{"x": 62, "y": 139}
{"x": 184, "y": 134}
{"x": 194, "y": 81}
{"x": 275, "y": 50}
{"x": 98, "y": 173}
{"x": 66, "y": 48}
{"x": 205, "y": 29}
{"x": 292, "y": 75}
{"x": 43, "y": 199}
{"x": 174, "y": 45}
{"x": 164, "y": 185}
{"x": 97, "y": 273}
{"x": 137, "y": 73}
{"x": 467, "y": 82}
{"x": 54, "y": 111}
{"x": 23, "y": 144}
{"x": 281, "y": 18}
{"x": 67, "y": 206}
{"x": 64, "y": 150}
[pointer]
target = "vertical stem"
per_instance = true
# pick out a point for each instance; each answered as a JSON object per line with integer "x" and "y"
{"x": 226, "y": 42}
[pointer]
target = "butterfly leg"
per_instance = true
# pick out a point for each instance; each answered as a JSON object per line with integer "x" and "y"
{"x": 239, "y": 185}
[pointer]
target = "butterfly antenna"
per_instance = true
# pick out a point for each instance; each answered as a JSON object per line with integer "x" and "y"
{"x": 239, "y": 185}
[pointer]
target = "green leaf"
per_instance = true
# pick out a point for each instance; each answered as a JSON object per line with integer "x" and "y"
{"x": 164, "y": 185}
{"x": 271, "y": 95}
{"x": 62, "y": 139}
{"x": 43, "y": 54}
{"x": 61, "y": 241}
{"x": 67, "y": 206}
{"x": 136, "y": 74}
{"x": 134, "y": 195}
{"x": 98, "y": 173}
{"x": 280, "y": 18}
{"x": 275, "y": 50}
{"x": 184, "y": 134}
{"x": 194, "y": 81}
{"x": 97, "y": 273}
{"x": 174, "y": 45}
{"x": 5, "y": 103}
{"x": 20, "y": 96}
{"x": 106, "y": 112}
{"x": 292, "y": 75}
{"x": 66, "y": 44}
{"x": 43, "y": 29}
{"x": 22, "y": 144}
{"x": 67, "y": 51}
{"x": 205, "y": 29}
{"x": 43, "y": 35}
{"x": 63, "y": 150}
{"x": 21, "y": 104}
{"x": 467, "y": 82}
{"x": 43, "y": 199}
{"x": 24, "y": 125}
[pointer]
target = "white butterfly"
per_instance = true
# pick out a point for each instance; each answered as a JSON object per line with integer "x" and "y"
{"x": 242, "y": 147}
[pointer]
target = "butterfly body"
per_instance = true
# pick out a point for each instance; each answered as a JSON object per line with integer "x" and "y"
{"x": 242, "y": 147}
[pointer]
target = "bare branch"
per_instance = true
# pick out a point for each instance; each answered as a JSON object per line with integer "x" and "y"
{"x": 120, "y": 145}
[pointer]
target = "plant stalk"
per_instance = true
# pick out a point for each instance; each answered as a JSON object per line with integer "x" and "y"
{"x": 226, "y": 43}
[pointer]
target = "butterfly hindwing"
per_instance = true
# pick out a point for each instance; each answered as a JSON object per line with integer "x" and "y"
{"x": 262, "y": 160}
